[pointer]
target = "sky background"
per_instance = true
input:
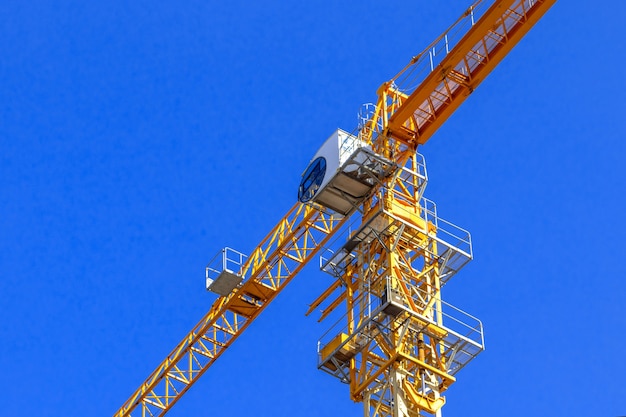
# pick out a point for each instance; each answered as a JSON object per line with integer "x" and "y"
{"x": 139, "y": 138}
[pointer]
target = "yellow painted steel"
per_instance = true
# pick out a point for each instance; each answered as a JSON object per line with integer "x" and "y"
{"x": 411, "y": 113}
{"x": 423, "y": 402}
{"x": 277, "y": 259}
{"x": 399, "y": 336}
{"x": 400, "y": 355}
{"x": 396, "y": 371}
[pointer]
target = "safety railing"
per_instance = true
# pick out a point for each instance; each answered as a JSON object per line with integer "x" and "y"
{"x": 454, "y": 244}
{"x": 228, "y": 260}
{"x": 463, "y": 340}
{"x": 425, "y": 62}
{"x": 448, "y": 233}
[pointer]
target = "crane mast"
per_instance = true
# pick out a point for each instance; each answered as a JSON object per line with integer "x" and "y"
{"x": 398, "y": 345}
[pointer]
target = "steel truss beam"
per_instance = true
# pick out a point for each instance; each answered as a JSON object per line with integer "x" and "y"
{"x": 277, "y": 259}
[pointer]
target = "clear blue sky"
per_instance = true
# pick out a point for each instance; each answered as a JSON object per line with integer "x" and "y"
{"x": 138, "y": 138}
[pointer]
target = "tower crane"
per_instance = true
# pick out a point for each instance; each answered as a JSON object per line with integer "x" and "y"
{"x": 397, "y": 344}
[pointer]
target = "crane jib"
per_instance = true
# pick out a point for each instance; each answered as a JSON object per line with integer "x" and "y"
{"x": 461, "y": 70}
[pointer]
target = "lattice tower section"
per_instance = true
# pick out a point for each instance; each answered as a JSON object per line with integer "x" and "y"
{"x": 399, "y": 345}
